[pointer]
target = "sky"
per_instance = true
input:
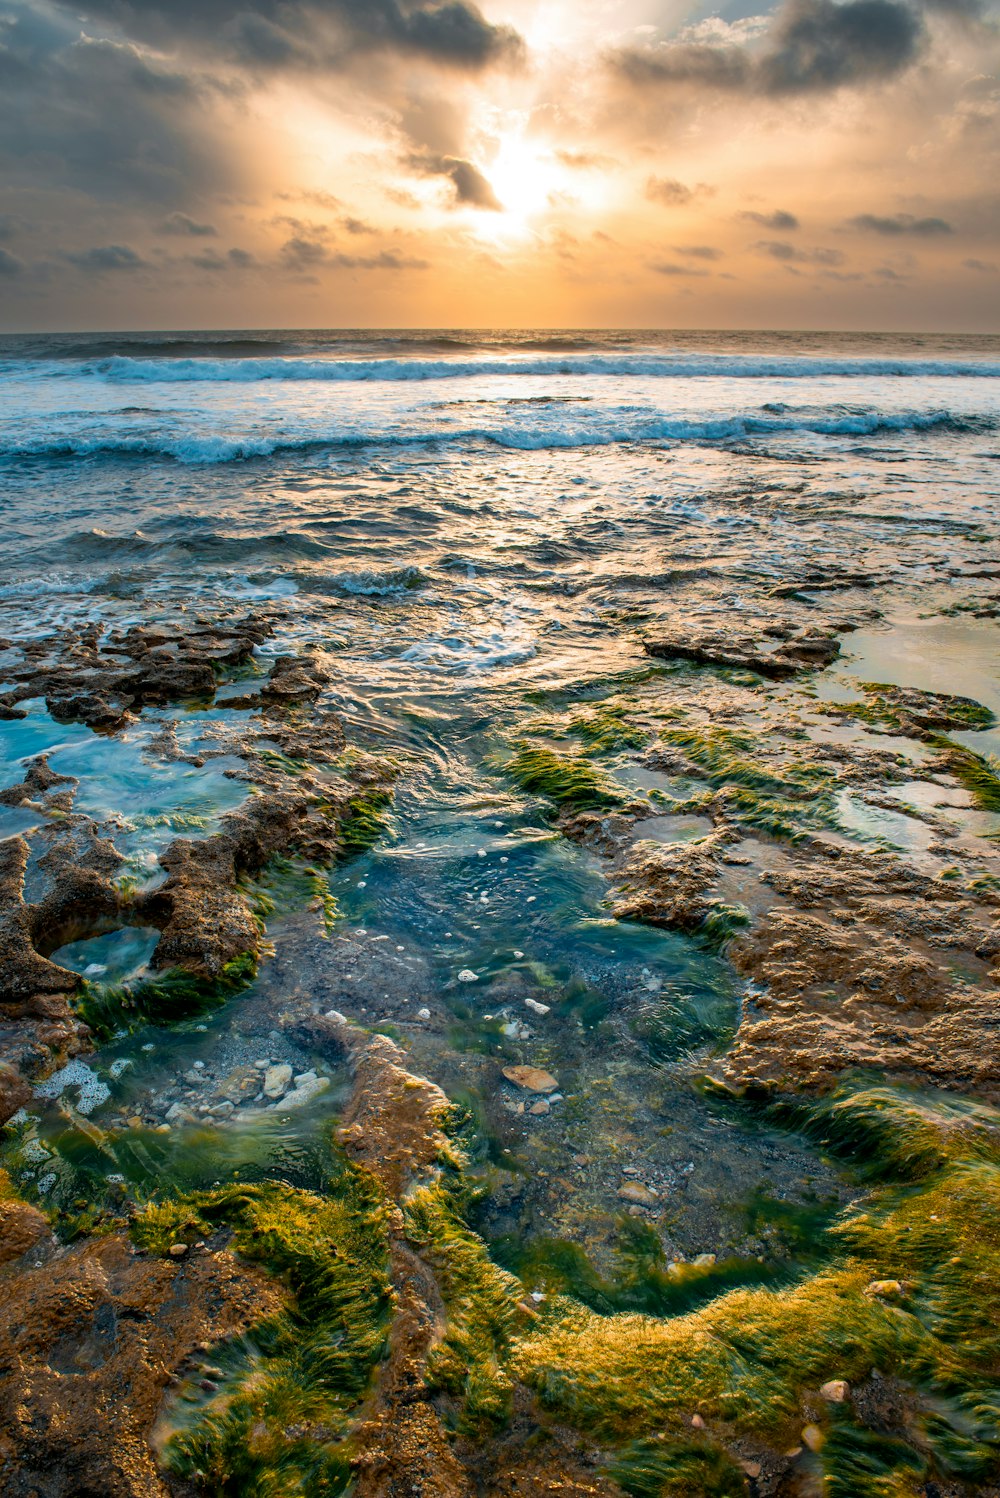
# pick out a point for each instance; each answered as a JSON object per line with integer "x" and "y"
{"x": 527, "y": 163}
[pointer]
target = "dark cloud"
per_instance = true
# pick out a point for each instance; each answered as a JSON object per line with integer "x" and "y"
{"x": 779, "y": 220}
{"x": 181, "y": 223}
{"x": 900, "y": 223}
{"x": 98, "y": 117}
{"x": 10, "y": 266}
{"x": 987, "y": 267}
{"x": 789, "y": 254}
{"x": 305, "y": 256}
{"x": 810, "y": 46}
{"x": 671, "y": 268}
{"x": 311, "y": 34}
{"x": 471, "y": 187}
{"x": 668, "y": 190}
{"x": 698, "y": 251}
{"x": 107, "y": 257}
{"x": 234, "y": 259}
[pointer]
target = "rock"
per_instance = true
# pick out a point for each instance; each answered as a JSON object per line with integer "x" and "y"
{"x": 539, "y": 1108}
{"x": 336, "y": 1016}
{"x": 536, "y": 1007}
{"x": 423, "y": 1014}
{"x": 468, "y": 976}
{"x": 177, "y": 1250}
{"x": 642, "y": 1196}
{"x": 883, "y": 1288}
{"x": 697, "y": 1422}
{"x": 177, "y": 1113}
{"x": 752, "y": 1469}
{"x": 222, "y": 1110}
{"x": 277, "y": 1080}
{"x": 581, "y": 1160}
{"x": 310, "y": 1087}
{"x": 812, "y": 1437}
{"x": 531, "y": 1078}
{"x": 835, "y": 1390}
{"x": 703, "y": 1261}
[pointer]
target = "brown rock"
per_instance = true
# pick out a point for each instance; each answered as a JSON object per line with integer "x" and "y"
{"x": 531, "y": 1078}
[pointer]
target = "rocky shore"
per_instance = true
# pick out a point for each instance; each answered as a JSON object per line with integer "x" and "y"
{"x": 352, "y": 1288}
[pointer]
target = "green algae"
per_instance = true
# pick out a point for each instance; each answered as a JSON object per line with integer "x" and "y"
{"x": 778, "y": 800}
{"x": 913, "y": 1283}
{"x": 901, "y": 709}
{"x": 605, "y": 728}
{"x": 471, "y": 1360}
{"x": 280, "y": 1423}
{"x": 670, "y": 1469}
{"x": 286, "y": 885}
{"x": 159, "y": 998}
{"x": 365, "y": 821}
{"x": 571, "y": 781}
{"x": 978, "y": 773}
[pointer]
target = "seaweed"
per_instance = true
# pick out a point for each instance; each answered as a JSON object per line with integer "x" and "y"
{"x": 670, "y": 1469}
{"x": 568, "y": 780}
{"x": 470, "y": 1361}
{"x": 280, "y": 1423}
{"x": 978, "y": 773}
{"x": 365, "y": 821}
{"x": 159, "y": 998}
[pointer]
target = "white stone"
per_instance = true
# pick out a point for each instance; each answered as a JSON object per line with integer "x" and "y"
{"x": 468, "y": 976}
{"x": 537, "y": 1008}
{"x": 277, "y": 1080}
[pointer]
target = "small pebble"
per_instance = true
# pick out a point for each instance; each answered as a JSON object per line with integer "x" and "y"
{"x": 423, "y": 1014}
{"x": 177, "y": 1250}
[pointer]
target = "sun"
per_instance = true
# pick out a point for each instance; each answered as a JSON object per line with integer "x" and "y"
{"x": 525, "y": 178}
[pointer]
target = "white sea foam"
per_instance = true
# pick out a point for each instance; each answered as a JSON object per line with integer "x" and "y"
{"x": 209, "y": 448}
{"x": 655, "y": 366}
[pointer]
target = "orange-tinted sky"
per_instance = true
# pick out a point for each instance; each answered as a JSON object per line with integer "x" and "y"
{"x": 254, "y": 163}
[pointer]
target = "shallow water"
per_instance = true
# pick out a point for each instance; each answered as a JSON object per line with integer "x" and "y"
{"x": 474, "y": 536}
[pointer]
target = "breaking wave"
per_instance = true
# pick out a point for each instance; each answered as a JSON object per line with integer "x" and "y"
{"x": 656, "y": 366}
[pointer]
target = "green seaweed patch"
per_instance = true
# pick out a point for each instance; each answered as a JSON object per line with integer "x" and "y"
{"x": 978, "y": 773}
{"x": 286, "y": 885}
{"x": 365, "y": 821}
{"x": 280, "y": 1424}
{"x": 605, "y": 728}
{"x": 642, "y": 1280}
{"x": 905, "y": 709}
{"x": 470, "y": 1361}
{"x": 912, "y": 1288}
{"x": 775, "y": 799}
{"x": 571, "y": 781}
{"x": 160, "y": 998}
{"x": 670, "y": 1469}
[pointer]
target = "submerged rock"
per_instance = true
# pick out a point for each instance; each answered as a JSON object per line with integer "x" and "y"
{"x": 531, "y": 1078}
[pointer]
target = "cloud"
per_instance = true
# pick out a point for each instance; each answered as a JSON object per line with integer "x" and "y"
{"x": 107, "y": 257}
{"x": 585, "y": 161}
{"x": 305, "y": 256}
{"x": 900, "y": 223}
{"x": 668, "y": 190}
{"x": 987, "y": 267}
{"x": 181, "y": 223}
{"x": 779, "y": 220}
{"x": 670, "y": 268}
{"x": 790, "y": 254}
{"x": 471, "y": 187}
{"x": 808, "y": 47}
{"x": 698, "y": 251}
{"x": 100, "y": 117}
{"x": 10, "y": 266}
{"x": 311, "y": 35}
{"x": 234, "y": 259}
